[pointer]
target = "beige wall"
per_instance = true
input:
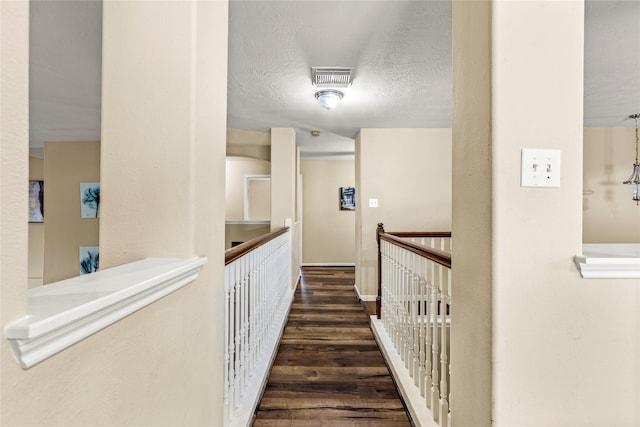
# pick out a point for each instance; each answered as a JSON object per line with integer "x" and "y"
{"x": 472, "y": 221}
{"x": 236, "y": 169}
{"x": 554, "y": 338}
{"x": 163, "y": 364}
{"x": 328, "y": 233}
{"x": 259, "y": 199}
{"x": 36, "y": 231}
{"x": 409, "y": 172}
{"x": 285, "y": 167}
{"x": 14, "y": 177}
{"x": 243, "y": 232}
{"x": 608, "y": 213}
{"x": 66, "y": 165}
{"x": 248, "y": 143}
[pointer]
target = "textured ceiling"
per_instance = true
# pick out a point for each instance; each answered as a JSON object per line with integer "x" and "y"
{"x": 612, "y": 62}
{"x": 65, "y": 61}
{"x": 401, "y": 51}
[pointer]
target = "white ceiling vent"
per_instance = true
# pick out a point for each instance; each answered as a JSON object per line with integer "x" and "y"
{"x": 332, "y": 76}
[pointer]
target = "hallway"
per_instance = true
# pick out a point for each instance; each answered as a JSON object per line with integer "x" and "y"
{"x": 328, "y": 370}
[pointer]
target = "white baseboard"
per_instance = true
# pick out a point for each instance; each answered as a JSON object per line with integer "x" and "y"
{"x": 244, "y": 414}
{"x": 328, "y": 264}
{"x": 420, "y": 414}
{"x": 364, "y": 297}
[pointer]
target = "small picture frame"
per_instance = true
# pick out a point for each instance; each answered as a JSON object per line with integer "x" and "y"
{"x": 90, "y": 200}
{"x": 89, "y": 259}
{"x": 347, "y": 199}
{"x": 36, "y": 201}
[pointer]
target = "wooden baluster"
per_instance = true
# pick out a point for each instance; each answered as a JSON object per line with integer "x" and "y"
{"x": 416, "y": 319}
{"x": 379, "y": 230}
{"x": 236, "y": 334}
{"x": 410, "y": 310}
{"x": 429, "y": 331}
{"x": 399, "y": 308}
{"x": 402, "y": 307}
{"x": 393, "y": 284}
{"x": 418, "y": 380}
{"x": 386, "y": 269}
{"x": 396, "y": 292}
{"x": 392, "y": 295}
{"x": 389, "y": 290}
{"x": 250, "y": 309}
{"x": 435, "y": 353}
{"x": 409, "y": 307}
{"x": 259, "y": 308}
{"x": 228, "y": 371}
{"x": 241, "y": 326}
{"x": 444, "y": 359}
{"x": 449, "y": 314}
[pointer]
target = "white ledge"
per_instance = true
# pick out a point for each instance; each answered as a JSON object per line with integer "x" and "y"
{"x": 63, "y": 313}
{"x": 609, "y": 261}
{"x": 247, "y": 222}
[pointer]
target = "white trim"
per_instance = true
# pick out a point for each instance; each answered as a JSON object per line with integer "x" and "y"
{"x": 367, "y": 298}
{"x": 327, "y": 156}
{"x": 420, "y": 414}
{"x": 248, "y": 178}
{"x": 242, "y": 222}
{"x": 258, "y": 382}
{"x": 609, "y": 261}
{"x": 328, "y": 264}
{"x": 63, "y": 313}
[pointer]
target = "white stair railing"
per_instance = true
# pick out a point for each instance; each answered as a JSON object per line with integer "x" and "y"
{"x": 414, "y": 319}
{"x": 258, "y": 296}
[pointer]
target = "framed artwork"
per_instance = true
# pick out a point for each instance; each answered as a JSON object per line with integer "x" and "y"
{"x": 36, "y": 201}
{"x": 347, "y": 199}
{"x": 89, "y": 199}
{"x": 89, "y": 259}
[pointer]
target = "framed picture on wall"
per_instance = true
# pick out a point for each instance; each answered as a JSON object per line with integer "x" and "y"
{"x": 89, "y": 259}
{"x": 347, "y": 199}
{"x": 90, "y": 200}
{"x": 36, "y": 201}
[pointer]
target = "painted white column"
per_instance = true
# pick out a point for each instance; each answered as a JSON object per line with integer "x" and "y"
{"x": 285, "y": 167}
{"x": 14, "y": 188}
{"x": 283, "y": 176}
{"x": 471, "y": 384}
{"x": 163, "y": 166}
{"x": 14, "y": 161}
{"x": 532, "y": 342}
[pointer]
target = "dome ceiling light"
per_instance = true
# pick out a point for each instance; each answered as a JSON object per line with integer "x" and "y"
{"x": 329, "y": 98}
{"x": 330, "y": 78}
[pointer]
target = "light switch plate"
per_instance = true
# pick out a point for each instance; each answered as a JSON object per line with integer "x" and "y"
{"x": 540, "y": 168}
{"x": 373, "y": 203}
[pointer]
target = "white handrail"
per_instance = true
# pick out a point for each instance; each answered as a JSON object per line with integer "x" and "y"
{"x": 258, "y": 295}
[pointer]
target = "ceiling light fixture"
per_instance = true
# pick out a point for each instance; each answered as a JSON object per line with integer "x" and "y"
{"x": 634, "y": 179}
{"x": 328, "y": 77}
{"x": 329, "y": 98}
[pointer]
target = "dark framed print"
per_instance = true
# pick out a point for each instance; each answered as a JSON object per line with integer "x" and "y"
{"x": 347, "y": 199}
{"x": 36, "y": 201}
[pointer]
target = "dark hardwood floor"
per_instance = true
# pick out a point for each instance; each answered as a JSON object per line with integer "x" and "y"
{"x": 328, "y": 370}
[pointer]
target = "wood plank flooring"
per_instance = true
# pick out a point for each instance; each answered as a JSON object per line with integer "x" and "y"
{"x": 329, "y": 370}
